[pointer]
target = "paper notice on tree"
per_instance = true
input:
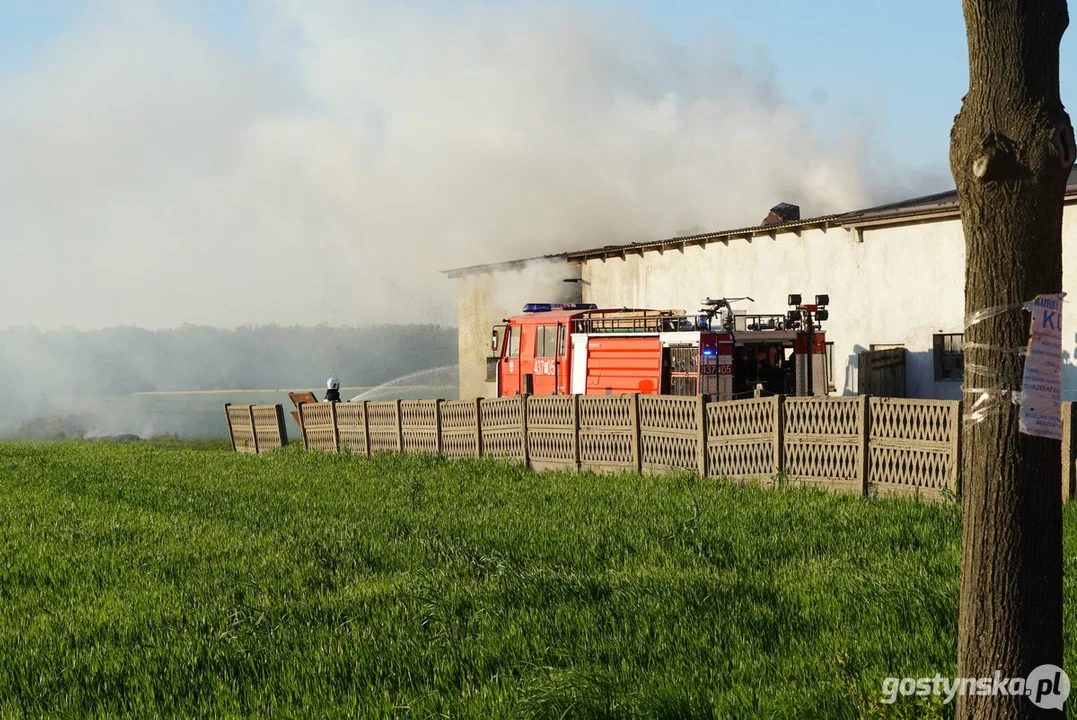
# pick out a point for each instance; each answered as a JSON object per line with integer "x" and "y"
{"x": 1041, "y": 387}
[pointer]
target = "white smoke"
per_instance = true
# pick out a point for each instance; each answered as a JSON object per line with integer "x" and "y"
{"x": 326, "y": 167}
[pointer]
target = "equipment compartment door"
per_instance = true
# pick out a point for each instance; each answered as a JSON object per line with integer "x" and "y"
{"x": 617, "y": 365}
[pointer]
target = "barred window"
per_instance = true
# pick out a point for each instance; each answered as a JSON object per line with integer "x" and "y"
{"x": 949, "y": 356}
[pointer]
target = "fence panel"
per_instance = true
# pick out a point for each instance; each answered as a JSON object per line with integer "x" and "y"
{"x": 913, "y": 446}
{"x": 744, "y": 439}
{"x": 824, "y": 442}
{"x": 319, "y": 426}
{"x": 269, "y": 427}
{"x": 460, "y": 428}
{"x": 383, "y": 426}
{"x": 241, "y": 428}
{"x": 419, "y": 425}
{"x": 609, "y": 432}
{"x": 351, "y": 427}
{"x": 1069, "y": 445}
{"x": 671, "y": 433}
{"x": 552, "y": 423}
{"x": 503, "y": 423}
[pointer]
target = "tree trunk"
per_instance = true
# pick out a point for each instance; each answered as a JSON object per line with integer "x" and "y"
{"x": 1011, "y": 149}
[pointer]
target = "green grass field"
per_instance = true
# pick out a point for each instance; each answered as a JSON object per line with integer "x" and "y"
{"x": 174, "y": 580}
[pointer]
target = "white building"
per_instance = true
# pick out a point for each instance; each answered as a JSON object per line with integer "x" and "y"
{"x": 895, "y": 275}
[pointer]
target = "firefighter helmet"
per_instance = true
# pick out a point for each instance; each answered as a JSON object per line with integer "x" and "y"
{"x": 332, "y": 384}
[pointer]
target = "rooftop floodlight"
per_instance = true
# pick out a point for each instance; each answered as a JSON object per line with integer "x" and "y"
{"x": 822, "y": 314}
{"x": 794, "y": 299}
{"x": 822, "y": 299}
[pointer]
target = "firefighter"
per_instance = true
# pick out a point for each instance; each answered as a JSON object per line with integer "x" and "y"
{"x": 332, "y": 393}
{"x": 768, "y": 372}
{"x": 762, "y": 366}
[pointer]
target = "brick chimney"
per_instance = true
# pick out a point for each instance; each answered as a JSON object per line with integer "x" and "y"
{"x": 782, "y": 213}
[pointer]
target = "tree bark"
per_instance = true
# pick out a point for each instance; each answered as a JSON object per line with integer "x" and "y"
{"x": 1011, "y": 149}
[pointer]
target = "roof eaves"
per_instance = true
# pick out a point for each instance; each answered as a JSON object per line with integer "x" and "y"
{"x": 919, "y": 213}
{"x": 683, "y": 241}
{"x": 872, "y": 217}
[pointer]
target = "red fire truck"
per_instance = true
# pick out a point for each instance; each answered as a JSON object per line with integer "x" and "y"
{"x": 561, "y": 349}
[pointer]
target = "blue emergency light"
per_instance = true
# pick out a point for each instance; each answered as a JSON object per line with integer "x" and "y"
{"x": 547, "y": 307}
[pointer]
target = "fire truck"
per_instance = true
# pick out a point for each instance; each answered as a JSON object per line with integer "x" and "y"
{"x": 581, "y": 349}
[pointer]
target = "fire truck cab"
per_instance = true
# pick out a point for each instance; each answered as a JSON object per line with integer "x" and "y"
{"x": 561, "y": 349}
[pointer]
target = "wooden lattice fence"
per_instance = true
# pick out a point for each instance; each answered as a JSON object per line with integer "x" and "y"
{"x": 744, "y": 439}
{"x": 824, "y": 442}
{"x": 609, "y": 432}
{"x": 913, "y": 446}
{"x": 503, "y": 423}
{"x": 460, "y": 428}
{"x": 671, "y": 433}
{"x": 383, "y": 426}
{"x": 241, "y": 428}
{"x": 256, "y": 428}
{"x": 419, "y": 421}
{"x": 1069, "y": 446}
{"x": 352, "y": 428}
{"x": 880, "y": 446}
{"x": 319, "y": 426}
{"x": 553, "y": 432}
{"x": 270, "y": 432}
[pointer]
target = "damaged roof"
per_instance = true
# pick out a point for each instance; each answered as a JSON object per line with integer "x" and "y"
{"x": 938, "y": 206}
{"x": 919, "y": 209}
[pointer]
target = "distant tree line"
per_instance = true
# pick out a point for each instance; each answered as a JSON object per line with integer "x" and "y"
{"x": 124, "y": 360}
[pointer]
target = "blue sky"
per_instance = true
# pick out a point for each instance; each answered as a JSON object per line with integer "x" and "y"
{"x": 900, "y": 65}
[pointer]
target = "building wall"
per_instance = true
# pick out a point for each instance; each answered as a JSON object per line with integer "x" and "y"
{"x": 484, "y": 299}
{"x": 897, "y": 285}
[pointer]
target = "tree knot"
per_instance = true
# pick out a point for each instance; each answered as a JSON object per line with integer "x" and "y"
{"x": 1065, "y": 148}
{"x": 998, "y": 159}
